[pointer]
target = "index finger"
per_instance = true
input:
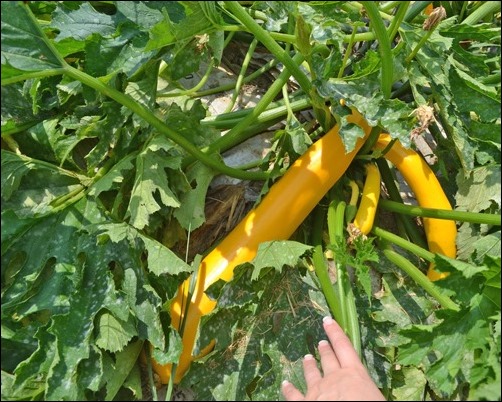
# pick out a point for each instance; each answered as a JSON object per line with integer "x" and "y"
{"x": 345, "y": 352}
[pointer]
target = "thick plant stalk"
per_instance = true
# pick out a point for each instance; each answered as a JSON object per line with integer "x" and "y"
{"x": 278, "y": 215}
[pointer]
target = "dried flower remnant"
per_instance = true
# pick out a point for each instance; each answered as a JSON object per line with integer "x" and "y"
{"x": 425, "y": 116}
{"x": 435, "y": 17}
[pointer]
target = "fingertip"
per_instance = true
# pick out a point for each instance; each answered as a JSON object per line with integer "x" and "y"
{"x": 290, "y": 392}
{"x": 328, "y": 320}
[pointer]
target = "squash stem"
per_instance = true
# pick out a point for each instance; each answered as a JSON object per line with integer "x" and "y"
{"x": 226, "y": 87}
{"x": 158, "y": 124}
{"x": 321, "y": 111}
{"x": 421, "y": 279}
{"x": 403, "y": 243}
{"x": 266, "y": 39}
{"x": 235, "y": 135}
{"x": 348, "y": 51}
{"x": 347, "y": 301}
{"x": 242, "y": 72}
{"x": 321, "y": 266}
{"x": 460, "y": 216}
{"x": 195, "y": 88}
{"x": 487, "y": 8}
{"x": 398, "y": 18}
{"x": 386, "y": 57}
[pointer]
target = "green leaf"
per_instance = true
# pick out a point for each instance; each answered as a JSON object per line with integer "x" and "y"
{"x": 144, "y": 14}
{"x": 190, "y": 214}
{"x": 470, "y": 95}
{"x": 113, "y": 334}
{"x": 40, "y": 188}
{"x": 14, "y": 168}
{"x": 24, "y": 46}
{"x": 277, "y": 254}
{"x": 31, "y": 373}
{"x": 90, "y": 372}
{"x": 79, "y": 24}
{"x": 151, "y": 178}
{"x": 113, "y": 177}
{"x": 451, "y": 343}
{"x": 408, "y": 384}
{"x": 391, "y": 114}
{"x": 259, "y": 344}
{"x": 478, "y": 190}
{"x": 160, "y": 259}
{"x": 173, "y": 351}
{"x": 117, "y": 371}
{"x": 198, "y": 17}
{"x": 486, "y": 372}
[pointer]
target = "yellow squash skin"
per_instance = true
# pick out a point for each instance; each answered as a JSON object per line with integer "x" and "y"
{"x": 366, "y": 212}
{"x": 441, "y": 233}
{"x": 276, "y": 217}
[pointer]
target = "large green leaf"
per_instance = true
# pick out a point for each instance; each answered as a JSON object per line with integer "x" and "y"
{"x": 24, "y": 46}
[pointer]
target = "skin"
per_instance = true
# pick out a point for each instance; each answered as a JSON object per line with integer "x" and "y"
{"x": 343, "y": 376}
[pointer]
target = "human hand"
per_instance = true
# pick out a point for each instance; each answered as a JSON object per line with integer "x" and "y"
{"x": 343, "y": 377}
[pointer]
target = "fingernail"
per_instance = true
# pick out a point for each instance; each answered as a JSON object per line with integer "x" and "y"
{"x": 285, "y": 382}
{"x": 323, "y": 342}
{"x": 327, "y": 320}
{"x": 308, "y": 356}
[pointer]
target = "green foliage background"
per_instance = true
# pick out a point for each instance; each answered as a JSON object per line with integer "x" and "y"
{"x": 95, "y": 166}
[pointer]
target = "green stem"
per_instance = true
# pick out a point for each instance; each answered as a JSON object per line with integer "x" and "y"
{"x": 235, "y": 135}
{"x": 47, "y": 165}
{"x": 241, "y": 113}
{"x": 266, "y": 39}
{"x": 11, "y": 144}
{"x": 18, "y": 128}
{"x": 63, "y": 200}
{"x": 149, "y": 370}
{"x": 460, "y": 216}
{"x": 415, "y": 9}
{"x": 70, "y": 199}
{"x": 419, "y": 45}
{"x": 163, "y": 128}
{"x": 487, "y": 8}
{"x": 403, "y": 243}
{"x": 321, "y": 266}
{"x": 240, "y": 78}
{"x": 278, "y": 36}
{"x": 34, "y": 74}
{"x": 386, "y": 58}
{"x": 348, "y": 51}
{"x": 370, "y": 142}
{"x": 347, "y": 301}
{"x": 389, "y": 5}
{"x": 398, "y": 18}
{"x": 231, "y": 85}
{"x": 421, "y": 279}
{"x": 491, "y": 79}
{"x": 195, "y": 88}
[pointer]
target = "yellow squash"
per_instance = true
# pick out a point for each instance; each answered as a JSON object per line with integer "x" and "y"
{"x": 276, "y": 217}
{"x": 441, "y": 233}
{"x": 366, "y": 212}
